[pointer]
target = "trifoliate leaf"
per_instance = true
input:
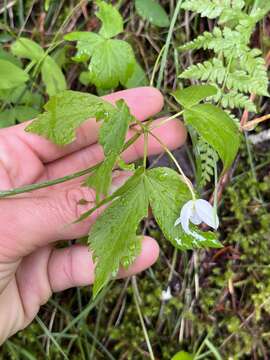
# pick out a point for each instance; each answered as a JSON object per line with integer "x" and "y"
{"x": 167, "y": 194}
{"x": 67, "y": 111}
{"x": 11, "y": 75}
{"x": 112, "y": 62}
{"x": 113, "y": 237}
{"x": 217, "y": 128}
{"x": 112, "y": 22}
{"x": 192, "y": 95}
{"x": 152, "y": 11}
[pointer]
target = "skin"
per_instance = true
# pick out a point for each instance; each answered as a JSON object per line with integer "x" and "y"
{"x": 31, "y": 268}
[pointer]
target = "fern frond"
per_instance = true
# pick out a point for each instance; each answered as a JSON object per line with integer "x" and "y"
{"x": 227, "y": 41}
{"x": 239, "y": 80}
{"x": 234, "y": 100}
{"x": 212, "y": 8}
{"x": 208, "y": 40}
{"x": 211, "y": 70}
{"x": 253, "y": 63}
{"x": 209, "y": 159}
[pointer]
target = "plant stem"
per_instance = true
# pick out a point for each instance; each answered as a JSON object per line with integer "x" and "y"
{"x": 44, "y": 184}
{"x": 155, "y": 66}
{"x": 32, "y": 187}
{"x": 168, "y": 119}
{"x": 136, "y": 298}
{"x": 186, "y": 180}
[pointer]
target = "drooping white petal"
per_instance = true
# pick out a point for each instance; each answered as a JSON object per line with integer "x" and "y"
{"x": 205, "y": 212}
{"x": 185, "y": 215}
{"x": 195, "y": 219}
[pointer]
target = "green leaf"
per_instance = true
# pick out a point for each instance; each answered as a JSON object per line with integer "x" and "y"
{"x": 11, "y": 75}
{"x": 113, "y": 130}
{"x": 112, "y": 137}
{"x": 4, "y": 55}
{"x": 86, "y": 44}
{"x": 152, "y": 11}
{"x": 192, "y": 95}
{"x": 167, "y": 194}
{"x": 183, "y": 355}
{"x": 112, "y": 63}
{"x": 7, "y": 118}
{"x": 52, "y": 76}
{"x": 101, "y": 179}
{"x": 28, "y": 49}
{"x": 24, "y": 113}
{"x": 113, "y": 237}
{"x": 112, "y": 22}
{"x": 217, "y": 128}
{"x": 138, "y": 78}
{"x": 65, "y": 112}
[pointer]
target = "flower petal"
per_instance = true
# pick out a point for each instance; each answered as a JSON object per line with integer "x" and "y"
{"x": 185, "y": 214}
{"x": 205, "y": 212}
{"x": 195, "y": 219}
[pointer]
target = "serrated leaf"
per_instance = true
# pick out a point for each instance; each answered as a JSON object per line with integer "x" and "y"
{"x": 167, "y": 194}
{"x": 101, "y": 179}
{"x": 111, "y": 63}
{"x": 11, "y": 75}
{"x": 152, "y": 11}
{"x": 112, "y": 22}
{"x": 112, "y": 136}
{"x": 192, "y": 95}
{"x": 65, "y": 112}
{"x": 113, "y": 131}
{"x": 113, "y": 236}
{"x": 217, "y": 128}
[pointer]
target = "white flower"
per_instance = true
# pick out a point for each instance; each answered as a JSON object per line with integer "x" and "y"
{"x": 196, "y": 212}
{"x": 166, "y": 295}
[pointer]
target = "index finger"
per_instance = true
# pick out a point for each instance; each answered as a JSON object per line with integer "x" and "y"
{"x": 143, "y": 103}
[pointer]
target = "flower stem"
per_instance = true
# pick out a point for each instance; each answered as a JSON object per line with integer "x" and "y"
{"x": 32, "y": 187}
{"x": 186, "y": 180}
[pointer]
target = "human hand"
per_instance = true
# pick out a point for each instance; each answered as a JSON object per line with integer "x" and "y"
{"x": 31, "y": 269}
